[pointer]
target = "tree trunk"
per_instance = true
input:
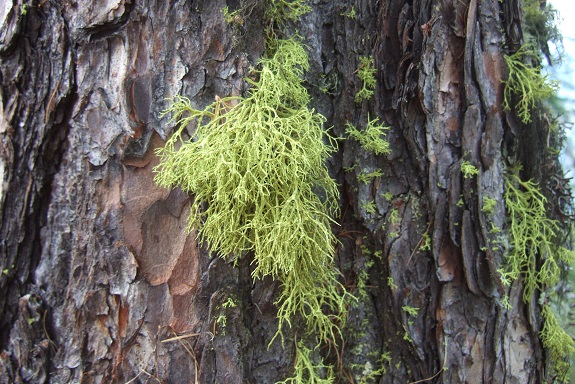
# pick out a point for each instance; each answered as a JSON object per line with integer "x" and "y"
{"x": 102, "y": 282}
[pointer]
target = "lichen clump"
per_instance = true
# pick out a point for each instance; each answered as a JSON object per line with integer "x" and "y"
{"x": 372, "y": 138}
{"x": 256, "y": 168}
{"x": 533, "y": 234}
{"x": 468, "y": 170}
{"x": 537, "y": 255}
{"x": 366, "y": 72}
{"x": 526, "y": 83}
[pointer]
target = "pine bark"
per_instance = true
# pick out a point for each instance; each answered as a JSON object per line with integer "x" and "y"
{"x": 99, "y": 273}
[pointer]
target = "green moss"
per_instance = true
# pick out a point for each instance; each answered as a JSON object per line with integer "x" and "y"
{"x": 393, "y": 220}
{"x": 406, "y": 337}
{"x": 526, "y": 83}
{"x": 468, "y": 169}
{"x": 394, "y": 217}
{"x": 371, "y": 138}
{"x": 366, "y": 72}
{"x": 256, "y": 167}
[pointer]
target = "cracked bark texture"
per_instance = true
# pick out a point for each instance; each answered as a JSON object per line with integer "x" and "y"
{"x": 98, "y": 272}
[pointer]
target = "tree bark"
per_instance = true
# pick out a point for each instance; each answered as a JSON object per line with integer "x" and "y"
{"x": 100, "y": 275}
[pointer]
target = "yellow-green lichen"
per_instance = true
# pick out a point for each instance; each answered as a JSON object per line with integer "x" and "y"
{"x": 526, "y": 83}
{"x": 371, "y": 138}
{"x": 229, "y": 303}
{"x": 558, "y": 343}
{"x": 256, "y": 167}
{"x": 307, "y": 370}
{"x": 350, "y": 13}
{"x": 468, "y": 169}
{"x": 538, "y": 257}
{"x": 369, "y": 374}
{"x": 367, "y": 177}
{"x": 366, "y": 72}
{"x": 370, "y": 207}
{"x": 489, "y": 205}
{"x": 532, "y": 234}
{"x": 412, "y": 311}
{"x": 426, "y": 243}
{"x": 283, "y": 10}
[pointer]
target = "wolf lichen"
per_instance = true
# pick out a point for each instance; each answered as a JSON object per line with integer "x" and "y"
{"x": 489, "y": 205}
{"x": 412, "y": 311}
{"x": 558, "y": 343}
{"x": 308, "y": 371}
{"x": 256, "y": 167}
{"x": 369, "y": 374}
{"x": 526, "y": 83}
{"x": 366, "y": 72}
{"x": 468, "y": 169}
{"x": 282, "y": 10}
{"x": 367, "y": 177}
{"x": 537, "y": 255}
{"x": 371, "y": 138}
{"x": 532, "y": 234}
{"x": 541, "y": 26}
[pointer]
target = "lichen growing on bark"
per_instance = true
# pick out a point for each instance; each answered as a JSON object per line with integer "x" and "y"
{"x": 527, "y": 83}
{"x": 366, "y": 72}
{"x": 256, "y": 168}
{"x": 537, "y": 255}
